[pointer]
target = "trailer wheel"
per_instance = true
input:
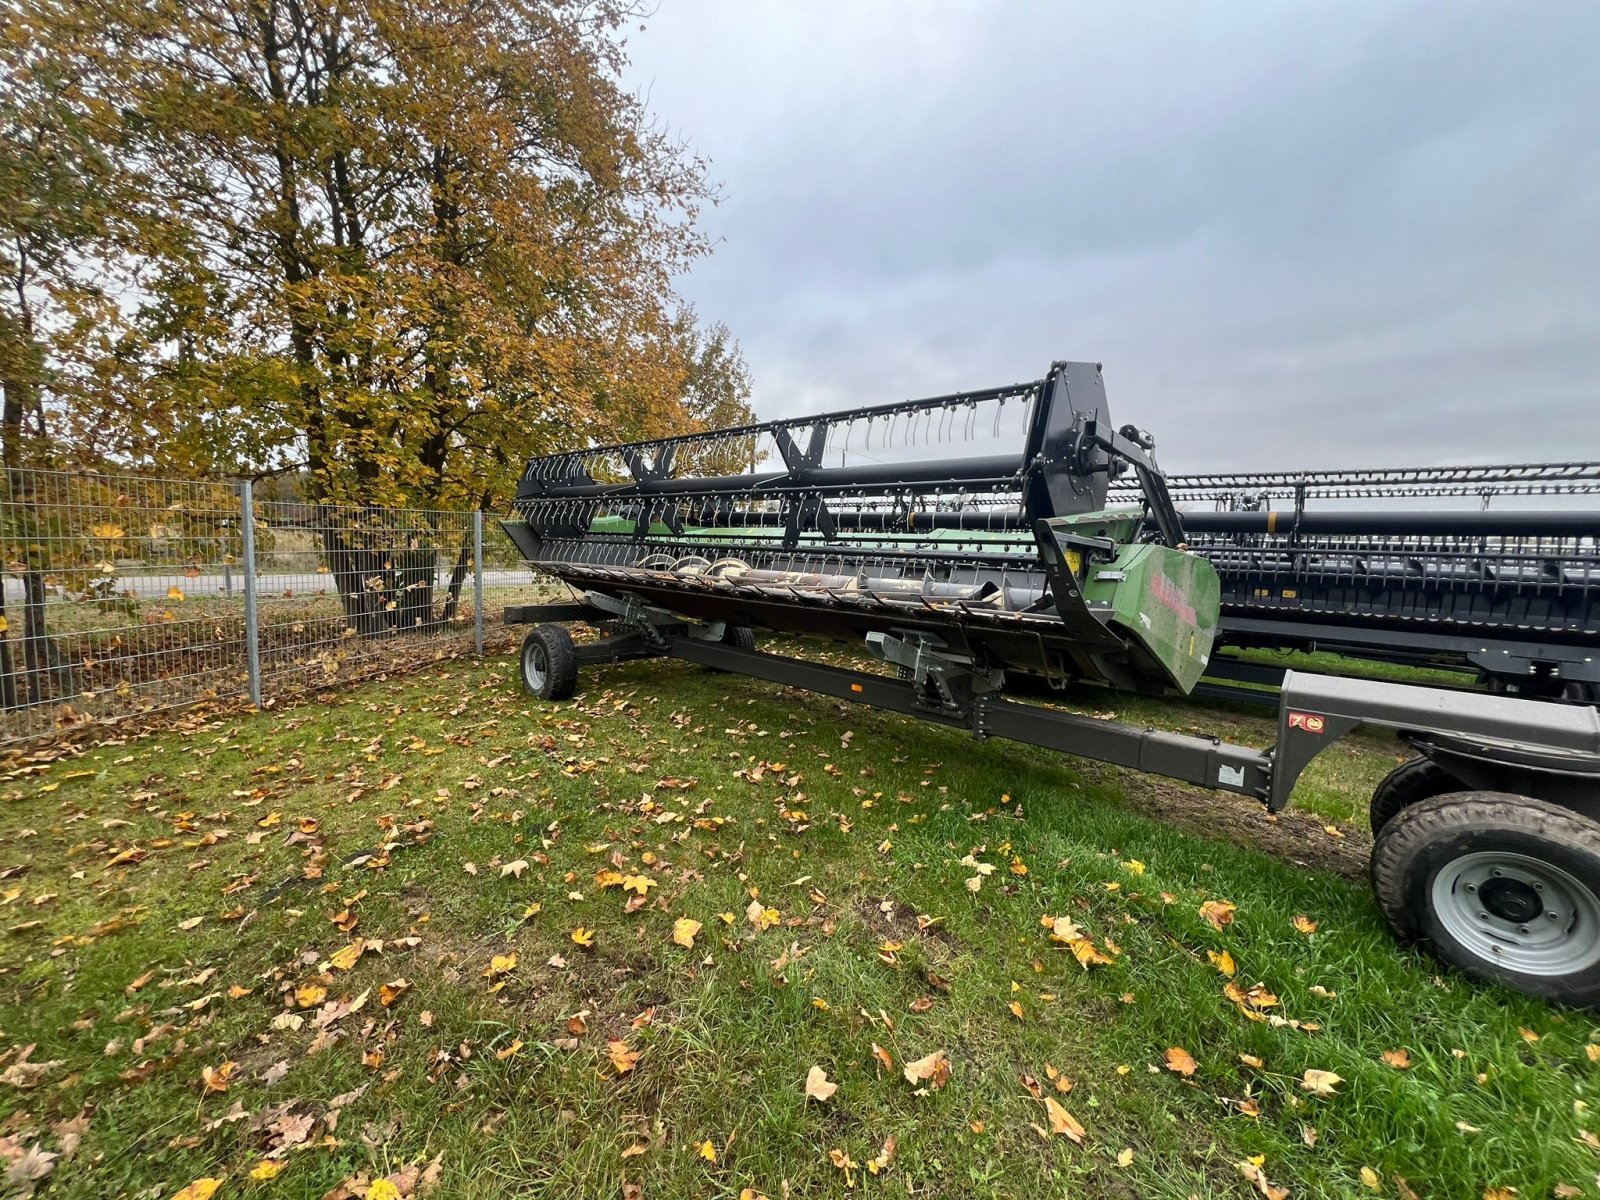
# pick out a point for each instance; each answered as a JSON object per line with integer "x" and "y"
{"x": 1502, "y": 887}
{"x": 740, "y": 637}
{"x": 1412, "y": 781}
{"x": 548, "y": 663}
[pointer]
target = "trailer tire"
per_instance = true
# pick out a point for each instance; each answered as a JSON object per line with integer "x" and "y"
{"x": 1414, "y": 780}
{"x": 740, "y": 637}
{"x": 548, "y": 663}
{"x": 1499, "y": 886}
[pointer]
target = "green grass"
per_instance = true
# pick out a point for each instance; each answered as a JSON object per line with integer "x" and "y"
{"x": 858, "y": 833}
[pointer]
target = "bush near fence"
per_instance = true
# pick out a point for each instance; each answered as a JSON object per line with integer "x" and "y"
{"x": 126, "y": 594}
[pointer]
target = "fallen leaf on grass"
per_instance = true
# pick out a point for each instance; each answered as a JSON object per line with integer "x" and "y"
{"x": 934, "y": 1070}
{"x": 389, "y": 992}
{"x": 1061, "y": 1121}
{"x": 29, "y": 1167}
{"x": 706, "y": 1150}
{"x": 508, "y": 1051}
{"x": 1180, "y": 1061}
{"x": 761, "y": 917}
{"x": 347, "y": 956}
{"x": 215, "y": 1079}
{"x": 683, "y": 932}
{"x": 500, "y": 964}
{"x": 1320, "y": 1083}
{"x": 885, "y": 1059}
{"x": 1399, "y": 1059}
{"x": 1252, "y": 1170}
{"x": 623, "y": 1058}
{"x": 1222, "y": 961}
{"x": 1219, "y": 912}
{"x": 818, "y": 1085}
{"x": 1370, "y": 1180}
{"x": 514, "y": 868}
{"x": 880, "y": 1163}
{"x": 584, "y": 937}
{"x": 1305, "y": 924}
{"x": 201, "y": 1189}
{"x": 267, "y": 1168}
{"x": 1125, "y": 1157}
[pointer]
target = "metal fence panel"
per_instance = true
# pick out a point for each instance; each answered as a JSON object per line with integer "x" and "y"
{"x": 126, "y": 594}
{"x": 121, "y": 596}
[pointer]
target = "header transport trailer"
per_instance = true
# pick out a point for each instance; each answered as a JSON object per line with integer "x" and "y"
{"x": 965, "y": 539}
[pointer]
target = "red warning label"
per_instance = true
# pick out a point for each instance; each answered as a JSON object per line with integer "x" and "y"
{"x": 1310, "y": 722}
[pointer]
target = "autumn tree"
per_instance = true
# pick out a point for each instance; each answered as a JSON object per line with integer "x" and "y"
{"x": 394, "y": 245}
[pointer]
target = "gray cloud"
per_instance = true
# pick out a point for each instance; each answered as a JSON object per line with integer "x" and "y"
{"x": 1296, "y": 235}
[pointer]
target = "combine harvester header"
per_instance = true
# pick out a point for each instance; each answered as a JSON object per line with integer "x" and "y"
{"x": 1009, "y": 556}
{"x": 966, "y": 539}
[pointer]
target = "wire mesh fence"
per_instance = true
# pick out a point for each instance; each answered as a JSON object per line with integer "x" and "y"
{"x": 124, "y": 594}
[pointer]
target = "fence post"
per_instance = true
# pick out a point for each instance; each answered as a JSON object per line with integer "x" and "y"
{"x": 252, "y": 628}
{"x": 477, "y": 581}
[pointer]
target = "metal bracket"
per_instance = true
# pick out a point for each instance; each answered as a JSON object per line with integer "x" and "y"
{"x": 944, "y": 680}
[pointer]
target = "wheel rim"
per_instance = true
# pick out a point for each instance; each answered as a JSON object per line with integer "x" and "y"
{"x": 1519, "y": 913}
{"x": 534, "y": 666}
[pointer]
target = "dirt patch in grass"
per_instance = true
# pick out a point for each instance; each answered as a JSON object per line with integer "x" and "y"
{"x": 1300, "y": 838}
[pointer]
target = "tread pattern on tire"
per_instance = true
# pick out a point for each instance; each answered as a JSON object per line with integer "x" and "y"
{"x": 740, "y": 637}
{"x": 1438, "y": 818}
{"x": 1413, "y": 781}
{"x": 561, "y": 662}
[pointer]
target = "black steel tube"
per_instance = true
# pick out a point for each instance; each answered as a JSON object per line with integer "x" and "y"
{"x": 1537, "y": 523}
{"x": 998, "y": 468}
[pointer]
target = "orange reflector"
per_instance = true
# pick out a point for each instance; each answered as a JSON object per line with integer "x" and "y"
{"x": 855, "y": 687}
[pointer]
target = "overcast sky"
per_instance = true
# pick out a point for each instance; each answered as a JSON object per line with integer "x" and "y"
{"x": 1297, "y": 235}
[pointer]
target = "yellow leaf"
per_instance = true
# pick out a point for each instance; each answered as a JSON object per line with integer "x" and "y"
{"x": 1222, "y": 961}
{"x": 1180, "y": 1061}
{"x": 3, "y": 624}
{"x": 1370, "y": 1180}
{"x": 1133, "y": 867}
{"x": 383, "y": 1189}
{"x": 706, "y": 1150}
{"x": 1125, "y": 1157}
{"x": 1305, "y": 924}
{"x": 1061, "y": 1121}
{"x": 201, "y": 1189}
{"x": 508, "y": 1051}
{"x": 818, "y": 1085}
{"x": 347, "y": 956}
{"x": 1218, "y": 912}
{"x": 175, "y": 593}
{"x": 761, "y": 917}
{"x": 683, "y": 931}
{"x": 1086, "y": 954}
{"x": 267, "y": 1168}
{"x": 389, "y": 992}
{"x": 584, "y": 937}
{"x": 1399, "y": 1059}
{"x": 637, "y": 883}
{"x": 310, "y": 995}
{"x": 623, "y": 1058}
{"x": 500, "y": 964}
{"x": 1016, "y": 1010}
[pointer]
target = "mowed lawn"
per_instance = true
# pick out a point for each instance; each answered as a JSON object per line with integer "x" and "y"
{"x": 431, "y": 937}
